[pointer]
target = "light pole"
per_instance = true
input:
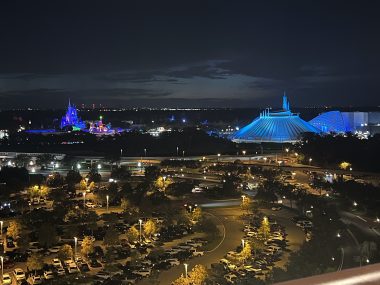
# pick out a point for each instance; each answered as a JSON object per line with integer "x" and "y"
{"x": 121, "y": 152}
{"x": 244, "y": 152}
{"x": 186, "y": 265}
{"x": 310, "y": 160}
{"x": 2, "y": 266}
{"x": 75, "y": 248}
{"x": 218, "y": 156}
{"x": 107, "y": 197}
{"x": 140, "y": 222}
{"x": 145, "y": 151}
{"x": 1, "y": 226}
{"x": 243, "y": 243}
{"x": 84, "y": 199}
{"x": 183, "y": 153}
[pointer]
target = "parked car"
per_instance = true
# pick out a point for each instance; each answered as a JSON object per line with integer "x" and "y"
{"x": 19, "y": 273}
{"x": 142, "y": 272}
{"x": 56, "y": 262}
{"x": 7, "y": 279}
{"x": 173, "y": 261}
{"x": 34, "y": 279}
{"x": 48, "y": 274}
{"x": 103, "y": 275}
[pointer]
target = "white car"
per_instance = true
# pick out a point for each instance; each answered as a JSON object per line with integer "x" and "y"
{"x": 197, "y": 190}
{"x": 48, "y": 275}
{"x": 251, "y": 234}
{"x": 73, "y": 268}
{"x": 19, "y": 274}
{"x": 230, "y": 277}
{"x": 54, "y": 249}
{"x": 103, "y": 275}
{"x": 198, "y": 253}
{"x": 142, "y": 272}
{"x": 56, "y": 262}
{"x": 61, "y": 271}
{"x": 231, "y": 254}
{"x": 36, "y": 279}
{"x": 231, "y": 266}
{"x": 7, "y": 279}
{"x": 253, "y": 270}
{"x": 90, "y": 205}
{"x": 173, "y": 261}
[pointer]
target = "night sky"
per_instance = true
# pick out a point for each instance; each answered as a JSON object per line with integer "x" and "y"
{"x": 189, "y": 53}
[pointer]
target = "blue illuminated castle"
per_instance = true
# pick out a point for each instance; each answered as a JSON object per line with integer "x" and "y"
{"x": 281, "y": 126}
{"x": 71, "y": 119}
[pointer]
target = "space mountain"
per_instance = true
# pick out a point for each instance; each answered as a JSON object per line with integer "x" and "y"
{"x": 280, "y": 126}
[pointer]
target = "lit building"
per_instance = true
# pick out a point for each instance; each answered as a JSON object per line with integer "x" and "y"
{"x": 71, "y": 119}
{"x": 281, "y": 126}
{"x": 361, "y": 123}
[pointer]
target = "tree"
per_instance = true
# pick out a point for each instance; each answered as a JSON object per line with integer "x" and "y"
{"x": 150, "y": 227}
{"x": 55, "y": 180}
{"x": 14, "y": 229}
{"x": 246, "y": 252}
{"x": 23, "y": 242}
{"x": 94, "y": 176}
{"x": 83, "y": 184}
{"x": 196, "y": 214}
{"x": 181, "y": 281}
{"x": 87, "y": 246}
{"x": 198, "y": 275}
{"x": 132, "y": 234}
{"x": 121, "y": 172}
{"x": 111, "y": 237}
{"x": 163, "y": 182}
{"x": 34, "y": 262}
{"x": 44, "y": 159}
{"x": 152, "y": 173}
{"x": 65, "y": 252}
{"x": 264, "y": 229}
{"x": 47, "y": 235}
{"x": 125, "y": 205}
{"x": 22, "y": 160}
{"x": 73, "y": 177}
{"x": 245, "y": 204}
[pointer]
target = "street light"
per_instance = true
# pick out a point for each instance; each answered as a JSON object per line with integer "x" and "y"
{"x": 218, "y": 156}
{"x": 2, "y": 266}
{"x": 78, "y": 166}
{"x": 186, "y": 265}
{"x": 84, "y": 199}
{"x": 244, "y": 152}
{"x": 140, "y": 222}
{"x": 177, "y": 150}
{"x": 355, "y": 204}
{"x": 145, "y": 151}
{"x": 107, "y": 197}
{"x": 243, "y": 243}
{"x": 310, "y": 160}
{"x": 99, "y": 166}
{"x": 1, "y": 226}
{"x": 75, "y": 248}
{"x": 121, "y": 152}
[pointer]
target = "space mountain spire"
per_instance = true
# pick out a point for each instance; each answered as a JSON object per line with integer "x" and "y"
{"x": 285, "y": 103}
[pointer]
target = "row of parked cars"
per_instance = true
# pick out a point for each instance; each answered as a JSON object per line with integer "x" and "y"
{"x": 262, "y": 260}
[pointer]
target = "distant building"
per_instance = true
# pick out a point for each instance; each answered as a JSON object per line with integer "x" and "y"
{"x": 360, "y": 123}
{"x": 71, "y": 119}
{"x": 281, "y": 126}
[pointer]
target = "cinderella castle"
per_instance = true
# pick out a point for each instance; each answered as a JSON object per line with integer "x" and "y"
{"x": 71, "y": 119}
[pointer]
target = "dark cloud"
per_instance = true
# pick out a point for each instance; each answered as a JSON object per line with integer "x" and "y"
{"x": 141, "y": 52}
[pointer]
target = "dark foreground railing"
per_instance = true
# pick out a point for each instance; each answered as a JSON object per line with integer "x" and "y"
{"x": 364, "y": 275}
